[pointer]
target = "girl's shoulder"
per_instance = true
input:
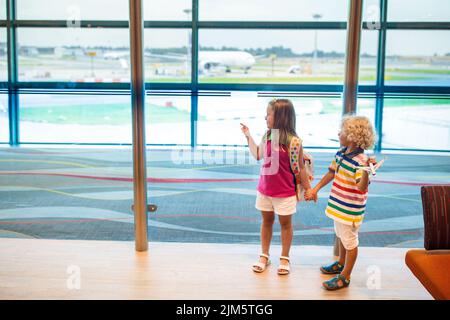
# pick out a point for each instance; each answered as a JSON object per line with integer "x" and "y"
{"x": 295, "y": 141}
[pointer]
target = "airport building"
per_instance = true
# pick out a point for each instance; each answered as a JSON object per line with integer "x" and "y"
{"x": 128, "y": 171}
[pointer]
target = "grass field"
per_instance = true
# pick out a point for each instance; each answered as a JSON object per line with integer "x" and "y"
{"x": 120, "y": 114}
{"x": 105, "y": 114}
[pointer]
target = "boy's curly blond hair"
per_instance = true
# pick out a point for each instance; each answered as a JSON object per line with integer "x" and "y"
{"x": 359, "y": 130}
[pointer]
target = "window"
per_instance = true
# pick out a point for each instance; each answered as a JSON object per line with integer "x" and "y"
{"x": 72, "y": 10}
{"x": 81, "y": 118}
{"x": 271, "y": 56}
{"x": 75, "y": 118}
{"x": 418, "y": 58}
{"x": 180, "y": 10}
{"x": 167, "y": 55}
{"x": 368, "y": 57}
{"x": 312, "y": 113}
{"x": 220, "y": 118}
{"x": 73, "y": 54}
{"x": 3, "y": 56}
{"x": 4, "y": 120}
{"x": 2, "y": 10}
{"x": 168, "y": 119}
{"x": 416, "y": 123}
{"x": 418, "y": 10}
{"x": 268, "y": 10}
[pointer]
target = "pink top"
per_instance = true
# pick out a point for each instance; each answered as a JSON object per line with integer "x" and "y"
{"x": 276, "y": 178}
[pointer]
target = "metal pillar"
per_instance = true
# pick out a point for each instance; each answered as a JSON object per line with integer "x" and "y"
{"x": 194, "y": 73}
{"x": 354, "y": 25}
{"x": 138, "y": 118}
{"x": 13, "y": 98}
{"x": 381, "y": 62}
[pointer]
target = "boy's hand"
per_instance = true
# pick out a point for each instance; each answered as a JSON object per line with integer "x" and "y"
{"x": 245, "y": 130}
{"x": 371, "y": 160}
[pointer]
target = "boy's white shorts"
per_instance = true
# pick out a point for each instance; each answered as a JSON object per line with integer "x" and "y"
{"x": 348, "y": 235}
{"x": 281, "y": 206}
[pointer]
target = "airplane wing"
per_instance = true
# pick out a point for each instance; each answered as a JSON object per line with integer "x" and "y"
{"x": 178, "y": 57}
{"x": 372, "y": 168}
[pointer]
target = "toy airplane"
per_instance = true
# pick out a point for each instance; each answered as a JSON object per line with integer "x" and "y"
{"x": 372, "y": 168}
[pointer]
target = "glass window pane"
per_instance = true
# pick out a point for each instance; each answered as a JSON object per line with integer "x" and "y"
{"x": 368, "y": 57}
{"x": 167, "y": 55}
{"x": 2, "y": 9}
{"x": 4, "y": 118}
{"x": 269, "y": 10}
{"x": 3, "y": 56}
{"x": 416, "y": 124}
{"x": 220, "y": 115}
{"x": 371, "y": 12}
{"x": 174, "y": 10}
{"x": 75, "y": 118}
{"x": 74, "y": 54}
{"x": 81, "y": 118}
{"x": 72, "y": 10}
{"x": 272, "y": 56}
{"x": 408, "y": 63}
{"x": 168, "y": 119}
{"x": 418, "y": 10}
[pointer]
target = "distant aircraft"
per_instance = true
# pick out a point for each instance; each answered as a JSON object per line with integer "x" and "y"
{"x": 207, "y": 60}
{"x": 116, "y": 55}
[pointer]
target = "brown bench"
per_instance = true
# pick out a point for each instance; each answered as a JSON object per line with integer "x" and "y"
{"x": 432, "y": 264}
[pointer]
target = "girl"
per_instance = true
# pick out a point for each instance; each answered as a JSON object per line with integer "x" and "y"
{"x": 282, "y": 170}
{"x": 348, "y": 195}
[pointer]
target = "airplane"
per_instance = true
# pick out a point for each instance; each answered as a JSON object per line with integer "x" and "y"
{"x": 116, "y": 55}
{"x": 207, "y": 60}
{"x": 372, "y": 168}
{"x": 228, "y": 59}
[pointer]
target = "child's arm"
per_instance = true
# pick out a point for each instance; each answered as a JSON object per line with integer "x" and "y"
{"x": 255, "y": 150}
{"x": 363, "y": 182}
{"x": 326, "y": 179}
{"x": 304, "y": 179}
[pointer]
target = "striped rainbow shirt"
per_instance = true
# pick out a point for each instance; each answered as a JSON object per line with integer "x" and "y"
{"x": 346, "y": 203}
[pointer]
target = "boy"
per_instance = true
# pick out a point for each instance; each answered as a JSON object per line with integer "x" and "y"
{"x": 348, "y": 195}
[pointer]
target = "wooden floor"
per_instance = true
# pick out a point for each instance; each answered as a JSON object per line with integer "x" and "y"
{"x": 47, "y": 269}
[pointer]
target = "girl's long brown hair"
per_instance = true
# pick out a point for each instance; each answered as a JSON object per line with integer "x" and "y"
{"x": 284, "y": 118}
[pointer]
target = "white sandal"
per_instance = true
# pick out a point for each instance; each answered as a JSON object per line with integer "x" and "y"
{"x": 260, "y": 266}
{"x": 284, "y": 269}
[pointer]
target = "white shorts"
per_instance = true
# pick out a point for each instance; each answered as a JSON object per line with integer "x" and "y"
{"x": 281, "y": 206}
{"x": 347, "y": 234}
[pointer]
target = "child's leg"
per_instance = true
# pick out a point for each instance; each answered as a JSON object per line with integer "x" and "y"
{"x": 349, "y": 262}
{"x": 350, "y": 243}
{"x": 286, "y": 236}
{"x": 342, "y": 253}
{"x": 268, "y": 218}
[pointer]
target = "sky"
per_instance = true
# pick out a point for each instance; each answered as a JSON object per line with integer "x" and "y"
{"x": 398, "y": 42}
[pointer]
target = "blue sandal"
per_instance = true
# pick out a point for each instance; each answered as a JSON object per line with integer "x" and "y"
{"x": 333, "y": 283}
{"x": 334, "y": 268}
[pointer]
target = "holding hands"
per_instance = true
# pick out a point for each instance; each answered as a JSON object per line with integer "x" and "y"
{"x": 311, "y": 194}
